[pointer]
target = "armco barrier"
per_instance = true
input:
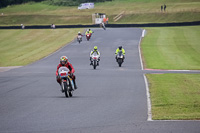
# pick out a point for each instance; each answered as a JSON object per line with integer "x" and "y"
{"x": 107, "y": 25}
{"x": 155, "y": 24}
{"x": 47, "y": 26}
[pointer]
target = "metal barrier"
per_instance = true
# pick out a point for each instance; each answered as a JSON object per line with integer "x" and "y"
{"x": 107, "y": 25}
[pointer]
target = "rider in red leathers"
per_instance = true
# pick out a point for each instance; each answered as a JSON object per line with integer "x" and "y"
{"x": 64, "y": 62}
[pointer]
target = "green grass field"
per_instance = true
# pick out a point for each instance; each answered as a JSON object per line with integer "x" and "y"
{"x": 135, "y": 11}
{"x": 22, "y": 47}
{"x": 175, "y": 96}
{"x": 172, "y": 48}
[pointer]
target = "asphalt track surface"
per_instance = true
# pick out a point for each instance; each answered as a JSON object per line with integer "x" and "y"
{"x": 109, "y": 99}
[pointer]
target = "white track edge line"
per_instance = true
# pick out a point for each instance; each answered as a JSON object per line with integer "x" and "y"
{"x": 140, "y": 51}
{"x": 179, "y": 120}
{"x": 149, "y": 114}
{"x": 148, "y": 100}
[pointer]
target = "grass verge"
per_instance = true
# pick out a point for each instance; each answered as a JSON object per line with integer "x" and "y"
{"x": 135, "y": 11}
{"x": 172, "y": 48}
{"x": 175, "y": 96}
{"x": 21, "y": 47}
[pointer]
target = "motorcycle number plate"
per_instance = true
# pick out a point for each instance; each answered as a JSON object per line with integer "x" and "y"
{"x": 63, "y": 74}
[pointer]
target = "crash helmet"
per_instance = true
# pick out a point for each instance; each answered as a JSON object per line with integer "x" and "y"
{"x": 120, "y": 47}
{"x": 89, "y": 29}
{"x": 79, "y": 32}
{"x": 95, "y": 48}
{"x": 63, "y": 60}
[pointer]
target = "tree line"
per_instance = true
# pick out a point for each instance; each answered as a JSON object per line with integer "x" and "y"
{"x": 71, "y": 2}
{"x": 5, "y": 3}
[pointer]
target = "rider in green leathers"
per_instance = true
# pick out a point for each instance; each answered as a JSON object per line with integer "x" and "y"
{"x": 117, "y": 51}
{"x": 89, "y": 31}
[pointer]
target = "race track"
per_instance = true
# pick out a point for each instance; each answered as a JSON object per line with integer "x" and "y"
{"x": 109, "y": 99}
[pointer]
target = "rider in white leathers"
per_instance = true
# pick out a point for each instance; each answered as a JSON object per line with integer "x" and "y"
{"x": 92, "y": 52}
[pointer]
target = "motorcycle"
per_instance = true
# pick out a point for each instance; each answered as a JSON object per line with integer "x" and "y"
{"x": 79, "y": 38}
{"x": 103, "y": 26}
{"x": 95, "y": 60}
{"x": 88, "y": 36}
{"x": 67, "y": 85}
{"x": 120, "y": 58}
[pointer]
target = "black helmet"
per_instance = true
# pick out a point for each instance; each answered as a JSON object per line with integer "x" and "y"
{"x": 120, "y": 47}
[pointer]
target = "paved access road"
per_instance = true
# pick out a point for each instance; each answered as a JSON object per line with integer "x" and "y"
{"x": 108, "y": 100}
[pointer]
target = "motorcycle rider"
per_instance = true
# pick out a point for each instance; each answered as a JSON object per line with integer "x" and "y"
{"x": 87, "y": 32}
{"x": 118, "y": 50}
{"x": 90, "y": 31}
{"x": 79, "y": 34}
{"x": 64, "y": 62}
{"x": 102, "y": 24}
{"x": 92, "y": 52}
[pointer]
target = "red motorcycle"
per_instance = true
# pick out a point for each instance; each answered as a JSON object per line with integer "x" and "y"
{"x": 88, "y": 35}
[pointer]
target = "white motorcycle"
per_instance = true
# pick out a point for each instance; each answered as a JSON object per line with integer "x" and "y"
{"x": 95, "y": 60}
{"x": 67, "y": 85}
{"x": 79, "y": 38}
{"x": 120, "y": 58}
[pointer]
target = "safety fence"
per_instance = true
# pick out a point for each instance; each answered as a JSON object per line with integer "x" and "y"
{"x": 107, "y": 25}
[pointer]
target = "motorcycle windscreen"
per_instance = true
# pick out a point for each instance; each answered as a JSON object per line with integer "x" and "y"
{"x": 63, "y": 71}
{"x": 95, "y": 56}
{"x": 120, "y": 55}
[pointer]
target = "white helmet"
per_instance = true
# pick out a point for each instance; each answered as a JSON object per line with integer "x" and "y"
{"x": 79, "y": 32}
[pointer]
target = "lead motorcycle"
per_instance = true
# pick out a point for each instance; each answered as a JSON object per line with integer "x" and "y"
{"x": 95, "y": 60}
{"x": 79, "y": 38}
{"x": 120, "y": 58}
{"x": 67, "y": 85}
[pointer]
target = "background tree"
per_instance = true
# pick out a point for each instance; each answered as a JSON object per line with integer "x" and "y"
{"x": 5, "y": 3}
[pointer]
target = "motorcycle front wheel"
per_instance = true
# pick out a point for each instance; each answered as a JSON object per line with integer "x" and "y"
{"x": 70, "y": 94}
{"x": 64, "y": 89}
{"x": 119, "y": 62}
{"x": 70, "y": 91}
{"x": 95, "y": 64}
